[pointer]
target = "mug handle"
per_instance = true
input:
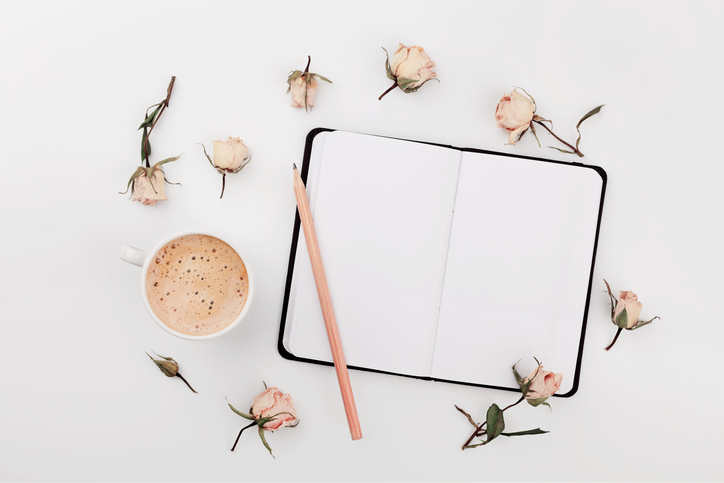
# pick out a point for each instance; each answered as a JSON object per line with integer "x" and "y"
{"x": 133, "y": 255}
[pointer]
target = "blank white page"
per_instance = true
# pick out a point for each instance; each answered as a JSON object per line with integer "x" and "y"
{"x": 521, "y": 250}
{"x": 382, "y": 210}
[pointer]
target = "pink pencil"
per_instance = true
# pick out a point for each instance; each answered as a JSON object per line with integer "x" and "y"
{"x": 326, "y": 301}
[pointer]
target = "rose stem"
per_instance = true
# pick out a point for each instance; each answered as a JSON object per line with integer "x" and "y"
{"x": 184, "y": 380}
{"x": 480, "y": 427}
{"x": 575, "y": 150}
{"x": 618, "y": 332}
{"x": 164, "y": 105}
{"x": 239, "y": 436}
{"x": 309, "y": 61}
{"x": 388, "y": 90}
{"x": 223, "y": 185}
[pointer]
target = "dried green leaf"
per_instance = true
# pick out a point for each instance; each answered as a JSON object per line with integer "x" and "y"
{"x": 244, "y": 162}
{"x": 162, "y": 357}
{"x": 207, "y": 156}
{"x": 535, "y": 402}
{"x": 473, "y": 445}
{"x": 148, "y": 121}
{"x": 495, "y": 422}
{"x": 263, "y": 440}
{"x": 622, "y": 319}
{"x": 614, "y": 301}
{"x": 323, "y": 78}
{"x": 590, "y": 113}
{"x": 243, "y": 415}
{"x": 405, "y": 83}
{"x": 145, "y": 145}
{"x": 390, "y": 75}
{"x": 475, "y": 425}
{"x": 294, "y": 75}
{"x": 524, "y": 433}
{"x": 518, "y": 379}
{"x": 562, "y": 150}
{"x": 408, "y": 90}
{"x": 167, "y": 160}
{"x": 641, "y": 323}
{"x": 135, "y": 175}
{"x": 532, "y": 130}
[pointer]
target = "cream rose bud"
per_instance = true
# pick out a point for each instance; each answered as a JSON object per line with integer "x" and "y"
{"x": 150, "y": 191}
{"x": 630, "y": 302}
{"x": 297, "y": 88}
{"x": 543, "y": 384}
{"x": 514, "y": 113}
{"x": 230, "y": 155}
{"x": 412, "y": 63}
{"x": 274, "y": 403}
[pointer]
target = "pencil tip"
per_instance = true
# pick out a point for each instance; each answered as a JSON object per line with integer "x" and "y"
{"x": 295, "y": 165}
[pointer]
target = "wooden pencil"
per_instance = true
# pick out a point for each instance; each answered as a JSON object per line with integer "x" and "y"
{"x": 325, "y": 300}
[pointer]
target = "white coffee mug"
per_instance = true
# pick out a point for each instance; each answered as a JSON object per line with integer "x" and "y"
{"x": 145, "y": 259}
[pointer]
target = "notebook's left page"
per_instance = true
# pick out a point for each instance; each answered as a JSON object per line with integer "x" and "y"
{"x": 382, "y": 210}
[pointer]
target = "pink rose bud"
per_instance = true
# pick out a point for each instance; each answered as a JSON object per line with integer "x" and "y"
{"x": 411, "y": 63}
{"x": 543, "y": 384}
{"x": 230, "y": 155}
{"x": 277, "y": 405}
{"x": 625, "y": 312}
{"x": 272, "y": 410}
{"x": 409, "y": 68}
{"x": 149, "y": 191}
{"x": 629, "y": 302}
{"x": 539, "y": 385}
{"x": 514, "y": 113}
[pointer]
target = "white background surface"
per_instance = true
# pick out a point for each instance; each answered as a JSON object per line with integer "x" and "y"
{"x": 79, "y": 399}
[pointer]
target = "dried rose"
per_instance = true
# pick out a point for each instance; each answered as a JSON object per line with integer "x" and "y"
{"x": 514, "y": 113}
{"x": 539, "y": 385}
{"x": 149, "y": 189}
{"x": 409, "y": 68}
{"x": 230, "y": 156}
{"x": 274, "y": 402}
{"x": 271, "y": 410}
{"x": 169, "y": 367}
{"x": 625, "y": 312}
{"x": 147, "y": 184}
{"x": 303, "y": 86}
{"x": 303, "y": 91}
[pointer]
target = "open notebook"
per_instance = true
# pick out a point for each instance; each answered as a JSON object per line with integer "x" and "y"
{"x": 444, "y": 263}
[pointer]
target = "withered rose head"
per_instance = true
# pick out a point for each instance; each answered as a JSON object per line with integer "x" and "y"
{"x": 277, "y": 405}
{"x": 303, "y": 91}
{"x": 303, "y": 85}
{"x": 514, "y": 113}
{"x": 411, "y": 64}
{"x": 230, "y": 155}
{"x": 149, "y": 190}
{"x": 410, "y": 68}
{"x": 543, "y": 384}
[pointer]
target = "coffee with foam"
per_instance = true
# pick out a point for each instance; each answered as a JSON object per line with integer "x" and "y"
{"x": 197, "y": 285}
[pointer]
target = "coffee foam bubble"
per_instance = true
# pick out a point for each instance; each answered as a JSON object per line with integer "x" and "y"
{"x": 197, "y": 285}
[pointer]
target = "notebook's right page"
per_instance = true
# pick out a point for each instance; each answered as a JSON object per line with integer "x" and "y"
{"x": 519, "y": 262}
